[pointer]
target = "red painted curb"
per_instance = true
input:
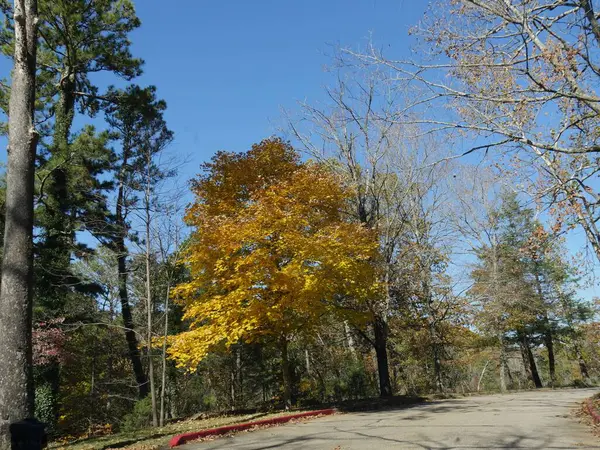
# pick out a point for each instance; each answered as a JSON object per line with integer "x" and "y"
{"x": 186, "y": 437}
{"x": 589, "y": 406}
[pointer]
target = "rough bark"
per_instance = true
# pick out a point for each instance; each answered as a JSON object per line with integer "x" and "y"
{"x": 130, "y": 336}
{"x": 380, "y": 331}
{"x": 16, "y": 380}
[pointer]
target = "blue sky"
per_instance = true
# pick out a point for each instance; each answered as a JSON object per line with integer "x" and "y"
{"x": 227, "y": 68}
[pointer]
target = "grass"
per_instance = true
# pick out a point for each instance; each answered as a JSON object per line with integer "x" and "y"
{"x": 155, "y": 438}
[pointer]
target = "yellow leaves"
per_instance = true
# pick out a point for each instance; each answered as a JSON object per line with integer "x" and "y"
{"x": 271, "y": 253}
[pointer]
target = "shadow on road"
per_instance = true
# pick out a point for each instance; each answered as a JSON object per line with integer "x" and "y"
{"x": 531, "y": 421}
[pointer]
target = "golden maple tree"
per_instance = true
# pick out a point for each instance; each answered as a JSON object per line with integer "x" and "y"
{"x": 271, "y": 253}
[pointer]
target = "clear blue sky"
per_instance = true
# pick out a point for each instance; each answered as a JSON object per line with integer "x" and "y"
{"x": 226, "y": 68}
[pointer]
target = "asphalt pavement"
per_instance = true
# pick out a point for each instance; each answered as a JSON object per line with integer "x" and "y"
{"x": 532, "y": 420}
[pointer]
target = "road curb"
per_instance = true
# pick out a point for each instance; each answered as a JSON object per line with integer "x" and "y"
{"x": 592, "y": 411}
{"x": 181, "y": 439}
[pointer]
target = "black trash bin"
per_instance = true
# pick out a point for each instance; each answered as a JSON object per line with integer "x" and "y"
{"x": 28, "y": 434}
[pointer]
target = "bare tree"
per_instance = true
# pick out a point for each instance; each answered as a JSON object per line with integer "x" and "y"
{"x": 16, "y": 382}
{"x": 519, "y": 75}
{"x": 154, "y": 139}
{"x": 357, "y": 134}
{"x": 169, "y": 238}
{"x": 476, "y": 221}
{"x": 158, "y": 202}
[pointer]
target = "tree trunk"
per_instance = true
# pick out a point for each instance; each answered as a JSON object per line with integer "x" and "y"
{"x": 380, "y": 331}
{"x": 549, "y": 342}
{"x": 60, "y": 237}
{"x": 503, "y": 365}
{"x": 232, "y": 388}
{"x": 16, "y": 377}
{"x": 122, "y": 253}
{"x": 534, "y": 371}
{"x": 149, "y": 303}
{"x": 287, "y": 374}
{"x": 487, "y": 363}
{"x": 164, "y": 358}
{"x": 307, "y": 362}
{"x": 529, "y": 362}
{"x": 582, "y": 365}
{"x": 437, "y": 368}
{"x": 349, "y": 339}
{"x": 238, "y": 376}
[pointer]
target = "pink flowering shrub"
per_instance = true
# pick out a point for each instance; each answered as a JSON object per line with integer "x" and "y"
{"x": 48, "y": 342}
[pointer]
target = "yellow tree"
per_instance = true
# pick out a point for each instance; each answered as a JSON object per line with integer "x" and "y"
{"x": 271, "y": 254}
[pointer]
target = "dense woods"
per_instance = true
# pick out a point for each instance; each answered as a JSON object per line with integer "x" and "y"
{"x": 410, "y": 236}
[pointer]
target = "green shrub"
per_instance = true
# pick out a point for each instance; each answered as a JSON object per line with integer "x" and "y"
{"x": 358, "y": 383}
{"x": 45, "y": 406}
{"x": 140, "y": 417}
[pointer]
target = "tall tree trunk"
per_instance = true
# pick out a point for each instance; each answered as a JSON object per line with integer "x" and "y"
{"x": 437, "y": 368}
{"x": 149, "y": 303}
{"x": 16, "y": 378}
{"x": 529, "y": 362}
{"x": 534, "y": 371}
{"x": 349, "y": 339}
{"x": 232, "y": 388}
{"x": 61, "y": 234}
{"x": 549, "y": 343}
{"x": 164, "y": 357}
{"x": 503, "y": 364}
{"x": 59, "y": 220}
{"x": 380, "y": 331}
{"x": 287, "y": 374}
{"x": 122, "y": 253}
{"x": 525, "y": 359}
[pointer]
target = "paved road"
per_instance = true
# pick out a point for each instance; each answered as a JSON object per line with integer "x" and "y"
{"x": 540, "y": 420}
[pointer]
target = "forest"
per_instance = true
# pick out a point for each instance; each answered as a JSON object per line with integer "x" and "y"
{"x": 430, "y": 229}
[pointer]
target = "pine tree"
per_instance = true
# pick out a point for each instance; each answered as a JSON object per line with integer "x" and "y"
{"x": 78, "y": 38}
{"x": 526, "y": 288}
{"x": 136, "y": 119}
